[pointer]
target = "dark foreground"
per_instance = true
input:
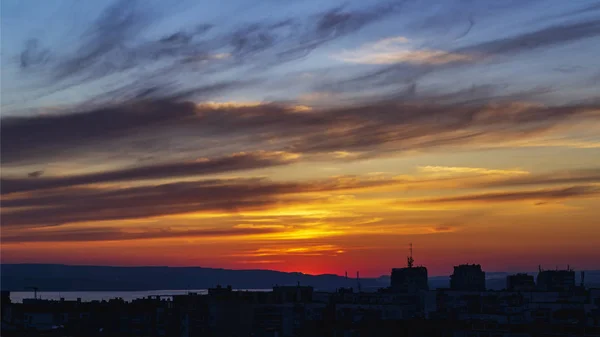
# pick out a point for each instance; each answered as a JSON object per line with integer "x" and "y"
{"x": 301, "y": 311}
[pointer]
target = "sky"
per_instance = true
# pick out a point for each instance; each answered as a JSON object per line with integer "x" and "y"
{"x": 310, "y": 136}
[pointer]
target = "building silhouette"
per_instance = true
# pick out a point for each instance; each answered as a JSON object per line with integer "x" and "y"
{"x": 468, "y": 277}
{"x": 409, "y": 279}
{"x": 520, "y": 282}
{"x": 556, "y": 280}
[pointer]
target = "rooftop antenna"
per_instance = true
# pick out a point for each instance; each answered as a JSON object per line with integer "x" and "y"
{"x": 410, "y": 259}
{"x": 358, "y": 280}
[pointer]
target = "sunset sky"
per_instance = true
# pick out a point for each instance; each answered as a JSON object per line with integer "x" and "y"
{"x": 312, "y": 136}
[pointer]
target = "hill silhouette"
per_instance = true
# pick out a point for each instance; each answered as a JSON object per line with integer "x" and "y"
{"x": 57, "y": 277}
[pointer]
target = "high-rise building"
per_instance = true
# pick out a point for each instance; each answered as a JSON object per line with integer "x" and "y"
{"x": 468, "y": 277}
{"x": 556, "y": 280}
{"x": 410, "y": 278}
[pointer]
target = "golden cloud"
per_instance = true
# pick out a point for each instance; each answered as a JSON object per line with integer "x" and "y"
{"x": 458, "y": 170}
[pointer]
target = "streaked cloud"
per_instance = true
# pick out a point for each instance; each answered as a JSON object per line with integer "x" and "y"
{"x": 202, "y": 166}
{"x": 378, "y": 127}
{"x": 260, "y": 261}
{"x": 310, "y": 250}
{"x": 398, "y": 50}
{"x": 344, "y": 154}
{"x": 566, "y": 143}
{"x": 536, "y": 195}
{"x": 226, "y": 105}
{"x": 112, "y": 234}
{"x": 114, "y": 44}
{"x": 548, "y": 36}
{"x": 491, "y": 51}
{"x": 581, "y": 176}
{"x": 217, "y": 195}
{"x": 452, "y": 170}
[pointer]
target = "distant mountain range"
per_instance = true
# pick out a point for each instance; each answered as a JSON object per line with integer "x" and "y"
{"x": 56, "y": 277}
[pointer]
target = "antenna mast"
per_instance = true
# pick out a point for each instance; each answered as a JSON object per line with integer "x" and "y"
{"x": 410, "y": 259}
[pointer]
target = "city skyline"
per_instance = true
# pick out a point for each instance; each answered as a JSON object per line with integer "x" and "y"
{"x": 300, "y": 137}
{"x": 552, "y": 303}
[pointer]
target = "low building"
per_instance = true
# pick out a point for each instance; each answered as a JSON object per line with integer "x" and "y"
{"x": 520, "y": 282}
{"x": 468, "y": 277}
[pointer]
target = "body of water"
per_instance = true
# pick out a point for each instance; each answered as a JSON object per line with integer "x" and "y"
{"x": 86, "y": 296}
